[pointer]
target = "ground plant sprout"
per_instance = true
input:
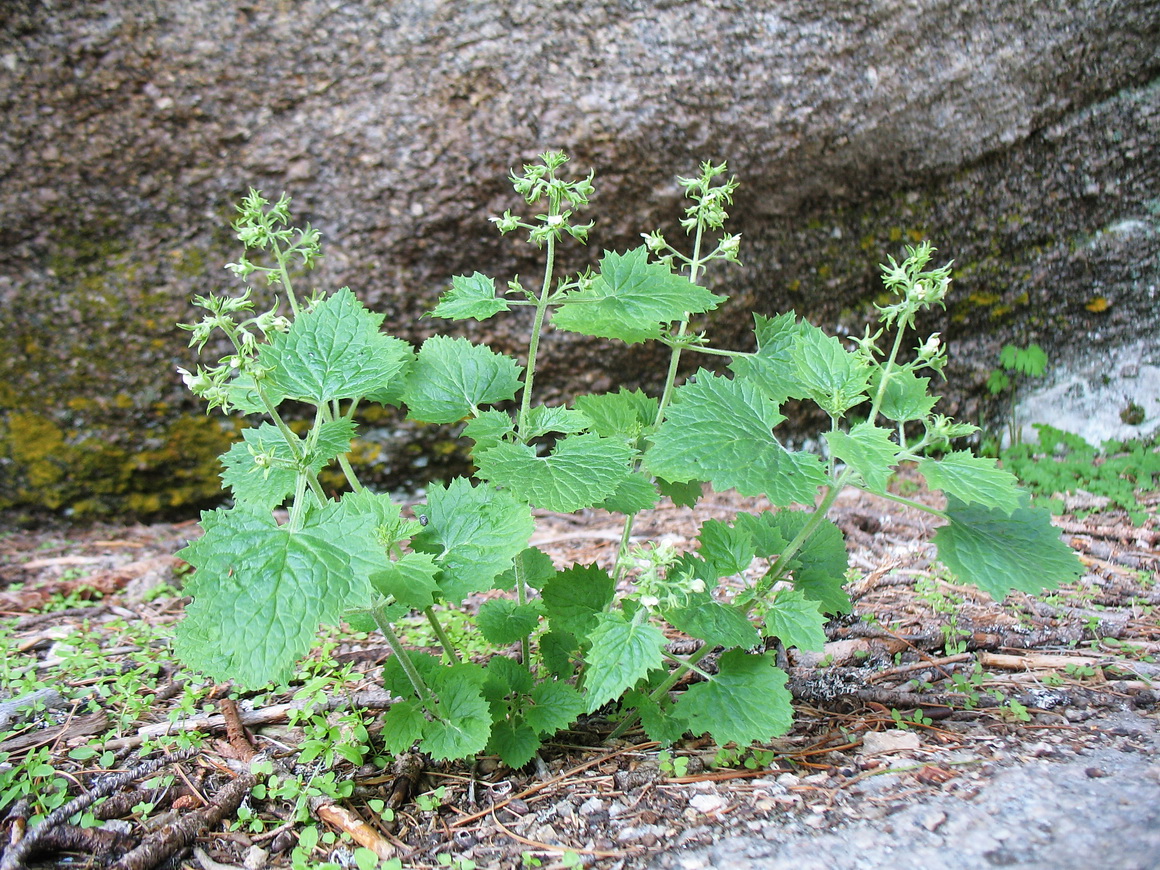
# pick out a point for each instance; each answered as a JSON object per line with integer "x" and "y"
{"x": 572, "y": 642}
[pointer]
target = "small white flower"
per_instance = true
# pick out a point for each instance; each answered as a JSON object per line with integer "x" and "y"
{"x": 649, "y": 601}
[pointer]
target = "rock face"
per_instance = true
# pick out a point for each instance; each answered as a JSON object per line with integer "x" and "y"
{"x": 1018, "y": 136}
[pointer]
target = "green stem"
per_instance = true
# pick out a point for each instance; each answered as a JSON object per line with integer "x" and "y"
{"x": 521, "y": 599}
{"x": 905, "y": 501}
{"x": 537, "y": 326}
{"x": 887, "y": 371}
{"x": 660, "y": 691}
{"x": 444, "y": 640}
{"x": 421, "y": 689}
{"x": 284, "y": 273}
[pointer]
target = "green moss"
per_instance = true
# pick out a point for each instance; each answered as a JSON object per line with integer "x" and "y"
{"x": 92, "y": 473}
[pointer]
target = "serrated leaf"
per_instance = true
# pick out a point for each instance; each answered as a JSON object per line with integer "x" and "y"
{"x": 261, "y": 590}
{"x": 715, "y": 623}
{"x": 543, "y": 419}
{"x": 745, "y": 701}
{"x": 410, "y": 579}
{"x": 867, "y": 449}
{"x": 558, "y": 652}
{"x": 503, "y": 621}
{"x": 631, "y": 298}
{"x": 835, "y": 379}
{"x": 267, "y": 487}
{"x": 514, "y": 742}
{"x": 765, "y": 532}
{"x": 621, "y": 654}
{"x": 580, "y": 472}
{"x": 474, "y": 533}
{"x": 721, "y": 430}
{"x": 537, "y": 567}
{"x": 505, "y": 677}
{"x": 635, "y": 493}
{"x": 395, "y": 678}
{"x": 663, "y": 726}
{"x": 489, "y": 428}
{"x": 728, "y": 549}
{"x": 626, "y": 413}
{"x": 1000, "y": 552}
{"x": 452, "y": 378}
{"x": 573, "y": 597}
{"x": 402, "y": 726}
{"x": 463, "y": 719}
{"x": 684, "y": 494}
{"x": 796, "y": 620}
{"x": 906, "y": 397}
{"x": 973, "y": 480}
{"x": 820, "y": 566}
{"x": 554, "y": 706}
{"x": 772, "y": 368}
{"x": 334, "y": 351}
{"x": 470, "y": 297}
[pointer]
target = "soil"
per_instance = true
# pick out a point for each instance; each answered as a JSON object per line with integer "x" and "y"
{"x": 938, "y": 726}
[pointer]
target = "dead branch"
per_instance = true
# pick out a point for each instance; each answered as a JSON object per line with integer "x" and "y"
{"x": 171, "y": 839}
{"x": 15, "y": 855}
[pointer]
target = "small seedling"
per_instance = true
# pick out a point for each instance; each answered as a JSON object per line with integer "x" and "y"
{"x": 1015, "y": 365}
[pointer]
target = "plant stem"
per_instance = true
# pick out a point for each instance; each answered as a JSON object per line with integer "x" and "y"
{"x": 421, "y": 689}
{"x": 521, "y": 599}
{"x": 444, "y": 640}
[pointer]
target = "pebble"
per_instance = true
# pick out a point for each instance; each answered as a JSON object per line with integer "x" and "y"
{"x": 879, "y": 742}
{"x": 708, "y": 803}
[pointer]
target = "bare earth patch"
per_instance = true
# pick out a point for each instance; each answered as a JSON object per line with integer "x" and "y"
{"x": 928, "y": 692}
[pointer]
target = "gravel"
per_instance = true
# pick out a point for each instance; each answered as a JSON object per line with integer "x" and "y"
{"x": 1097, "y": 808}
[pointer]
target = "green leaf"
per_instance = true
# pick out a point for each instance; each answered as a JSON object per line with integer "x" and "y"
{"x": 796, "y": 620}
{"x": 411, "y": 579}
{"x": 395, "y": 678}
{"x": 728, "y": 549}
{"x": 819, "y": 570}
{"x": 581, "y": 472}
{"x": 267, "y": 487}
{"x": 772, "y": 368}
{"x": 835, "y": 379}
{"x": 505, "y": 677}
{"x": 574, "y": 597}
{"x": 503, "y": 621}
{"x": 765, "y": 530}
{"x": 746, "y": 701}
{"x": 684, "y": 494}
{"x": 402, "y": 726}
{"x": 973, "y": 480}
{"x": 543, "y": 419}
{"x": 867, "y": 449}
{"x": 631, "y": 298}
{"x": 489, "y": 428}
{"x": 452, "y": 377}
{"x": 472, "y": 297}
{"x": 660, "y": 725}
{"x": 905, "y": 397}
{"x": 627, "y": 413}
{"x": 721, "y": 430}
{"x": 261, "y": 590}
{"x": 716, "y": 624}
{"x": 538, "y": 570}
{"x": 514, "y": 742}
{"x": 1000, "y": 552}
{"x": 554, "y": 706}
{"x": 462, "y": 723}
{"x": 635, "y": 493}
{"x": 559, "y": 651}
{"x": 474, "y": 533}
{"x": 622, "y": 653}
{"x": 334, "y": 351}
